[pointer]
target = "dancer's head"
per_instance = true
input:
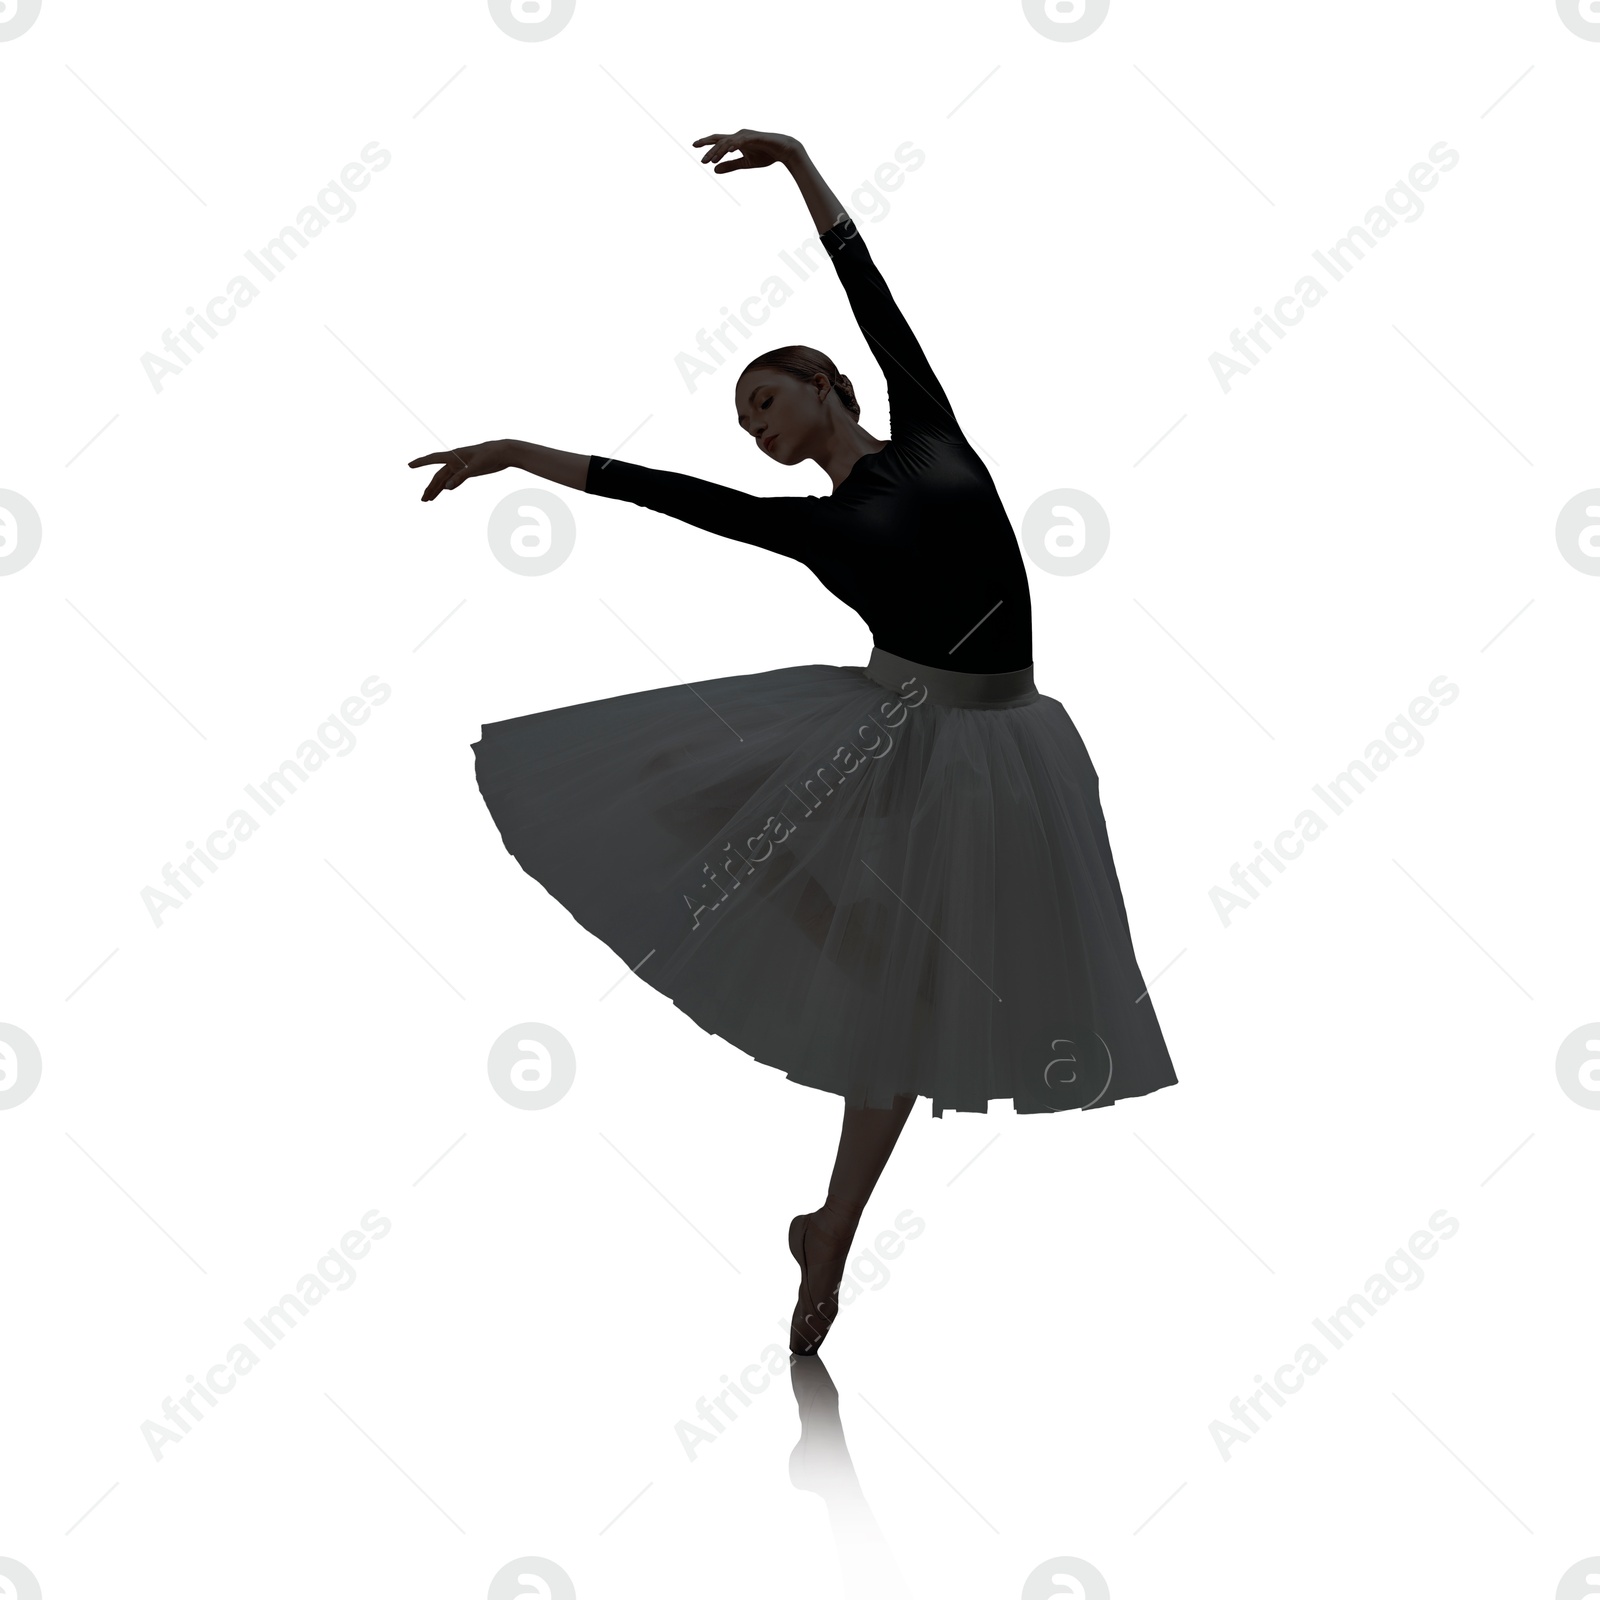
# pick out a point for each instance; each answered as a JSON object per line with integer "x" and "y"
{"x": 792, "y": 401}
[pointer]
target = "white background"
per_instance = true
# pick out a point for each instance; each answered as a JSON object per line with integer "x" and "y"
{"x": 225, "y": 1095}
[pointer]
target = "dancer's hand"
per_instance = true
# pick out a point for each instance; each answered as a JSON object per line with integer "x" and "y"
{"x": 756, "y": 149}
{"x": 470, "y": 461}
{"x": 766, "y": 149}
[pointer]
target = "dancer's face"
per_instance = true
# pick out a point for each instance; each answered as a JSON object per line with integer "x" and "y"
{"x": 784, "y": 415}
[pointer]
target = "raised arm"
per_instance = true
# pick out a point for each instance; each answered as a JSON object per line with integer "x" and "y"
{"x": 917, "y": 400}
{"x": 823, "y": 204}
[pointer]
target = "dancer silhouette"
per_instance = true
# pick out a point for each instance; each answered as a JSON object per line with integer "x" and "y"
{"x": 889, "y": 882}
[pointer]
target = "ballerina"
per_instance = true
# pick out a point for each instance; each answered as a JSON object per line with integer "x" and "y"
{"x": 891, "y": 881}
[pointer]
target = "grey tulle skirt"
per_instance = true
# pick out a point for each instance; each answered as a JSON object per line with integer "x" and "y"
{"x": 882, "y": 881}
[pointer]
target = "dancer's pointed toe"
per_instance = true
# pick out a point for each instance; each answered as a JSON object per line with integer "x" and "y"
{"x": 820, "y": 1255}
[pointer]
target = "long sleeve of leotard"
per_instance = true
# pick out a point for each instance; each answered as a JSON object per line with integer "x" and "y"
{"x": 772, "y": 522}
{"x": 917, "y": 400}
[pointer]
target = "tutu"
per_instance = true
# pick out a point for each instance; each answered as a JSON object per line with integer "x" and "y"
{"x": 881, "y": 881}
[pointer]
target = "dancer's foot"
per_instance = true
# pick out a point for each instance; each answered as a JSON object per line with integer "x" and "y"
{"x": 820, "y": 1243}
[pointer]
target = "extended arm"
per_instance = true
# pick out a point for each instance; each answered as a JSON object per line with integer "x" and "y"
{"x": 565, "y": 467}
{"x": 772, "y": 522}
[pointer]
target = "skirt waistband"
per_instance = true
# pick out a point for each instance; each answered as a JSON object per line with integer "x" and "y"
{"x": 992, "y": 691}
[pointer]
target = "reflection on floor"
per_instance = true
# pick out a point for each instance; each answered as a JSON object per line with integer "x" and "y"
{"x": 821, "y": 1464}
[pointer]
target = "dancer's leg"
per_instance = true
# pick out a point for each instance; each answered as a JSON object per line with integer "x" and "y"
{"x": 866, "y": 1138}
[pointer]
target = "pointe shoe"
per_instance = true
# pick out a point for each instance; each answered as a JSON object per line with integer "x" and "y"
{"x": 818, "y": 1302}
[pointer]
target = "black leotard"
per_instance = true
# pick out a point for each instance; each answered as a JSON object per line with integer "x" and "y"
{"x": 915, "y": 539}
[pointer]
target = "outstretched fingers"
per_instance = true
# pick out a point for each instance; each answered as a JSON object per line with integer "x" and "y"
{"x": 454, "y": 469}
{"x": 721, "y": 144}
